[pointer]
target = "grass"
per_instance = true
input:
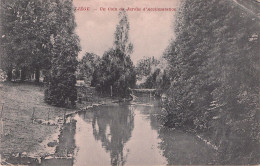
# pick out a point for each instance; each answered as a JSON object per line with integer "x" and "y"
{"x": 19, "y": 134}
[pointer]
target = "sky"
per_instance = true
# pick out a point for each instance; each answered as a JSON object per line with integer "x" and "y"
{"x": 150, "y": 31}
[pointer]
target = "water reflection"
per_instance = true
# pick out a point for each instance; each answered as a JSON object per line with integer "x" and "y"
{"x": 178, "y": 147}
{"x": 132, "y": 135}
{"x": 113, "y": 127}
{"x": 183, "y": 149}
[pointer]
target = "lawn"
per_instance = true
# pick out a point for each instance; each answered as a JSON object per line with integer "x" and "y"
{"x": 18, "y": 133}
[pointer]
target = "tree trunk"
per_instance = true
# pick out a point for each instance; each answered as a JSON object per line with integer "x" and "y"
{"x": 37, "y": 75}
{"x": 23, "y": 74}
{"x": 9, "y": 75}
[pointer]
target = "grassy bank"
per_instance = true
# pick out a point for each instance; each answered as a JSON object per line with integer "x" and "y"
{"x": 30, "y": 125}
{"x": 19, "y": 134}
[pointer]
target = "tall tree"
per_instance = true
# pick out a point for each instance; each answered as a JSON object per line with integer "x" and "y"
{"x": 116, "y": 69}
{"x": 121, "y": 41}
{"x": 62, "y": 79}
{"x": 214, "y": 68}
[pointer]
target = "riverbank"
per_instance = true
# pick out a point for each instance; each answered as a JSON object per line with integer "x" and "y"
{"x": 29, "y": 124}
{"x": 31, "y": 127}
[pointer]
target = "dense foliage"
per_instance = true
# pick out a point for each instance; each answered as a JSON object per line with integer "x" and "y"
{"x": 39, "y": 36}
{"x": 86, "y": 67}
{"x": 214, "y": 70}
{"x": 25, "y": 37}
{"x": 146, "y": 66}
{"x": 153, "y": 74}
{"x": 61, "y": 78}
{"x": 116, "y": 72}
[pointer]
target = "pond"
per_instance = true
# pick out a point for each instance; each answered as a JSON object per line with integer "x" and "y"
{"x": 129, "y": 134}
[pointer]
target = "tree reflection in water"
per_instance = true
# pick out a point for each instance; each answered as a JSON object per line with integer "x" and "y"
{"x": 178, "y": 147}
{"x": 181, "y": 148}
{"x": 113, "y": 127}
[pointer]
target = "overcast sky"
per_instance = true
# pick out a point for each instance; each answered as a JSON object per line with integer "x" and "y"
{"x": 150, "y": 32}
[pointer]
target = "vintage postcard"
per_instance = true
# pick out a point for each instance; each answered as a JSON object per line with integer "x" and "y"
{"x": 129, "y": 82}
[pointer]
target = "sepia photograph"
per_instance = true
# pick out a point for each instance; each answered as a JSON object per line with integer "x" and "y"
{"x": 129, "y": 82}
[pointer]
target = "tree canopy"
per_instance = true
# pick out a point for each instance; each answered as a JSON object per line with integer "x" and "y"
{"x": 61, "y": 78}
{"x": 39, "y": 35}
{"x": 25, "y": 36}
{"x": 214, "y": 68}
{"x": 116, "y": 69}
{"x": 87, "y": 65}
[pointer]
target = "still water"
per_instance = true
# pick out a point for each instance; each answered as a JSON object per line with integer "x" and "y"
{"x": 129, "y": 134}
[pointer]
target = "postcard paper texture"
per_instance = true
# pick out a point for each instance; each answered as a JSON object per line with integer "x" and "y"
{"x": 129, "y": 82}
